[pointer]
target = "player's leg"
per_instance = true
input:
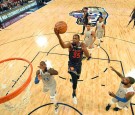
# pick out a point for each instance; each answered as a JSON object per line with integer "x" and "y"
{"x": 53, "y": 92}
{"x": 130, "y": 21}
{"x": 110, "y": 103}
{"x": 78, "y": 69}
{"x": 99, "y": 36}
{"x": 121, "y": 105}
{"x": 1, "y": 27}
{"x": 74, "y": 86}
{"x": 134, "y": 23}
{"x": 75, "y": 79}
{"x": 53, "y": 97}
{"x": 85, "y": 24}
{"x": 91, "y": 50}
{"x": 83, "y": 30}
{"x": 72, "y": 71}
{"x": 45, "y": 89}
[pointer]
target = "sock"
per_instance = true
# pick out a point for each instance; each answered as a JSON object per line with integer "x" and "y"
{"x": 74, "y": 93}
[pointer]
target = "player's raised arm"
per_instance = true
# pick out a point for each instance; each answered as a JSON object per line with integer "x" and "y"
{"x": 53, "y": 71}
{"x": 118, "y": 73}
{"x": 63, "y": 45}
{"x": 132, "y": 12}
{"x": 38, "y": 77}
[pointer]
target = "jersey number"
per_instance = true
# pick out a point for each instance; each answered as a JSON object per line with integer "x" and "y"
{"x": 46, "y": 79}
{"x": 76, "y": 54}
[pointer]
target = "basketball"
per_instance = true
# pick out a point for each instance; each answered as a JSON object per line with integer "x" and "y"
{"x": 61, "y": 27}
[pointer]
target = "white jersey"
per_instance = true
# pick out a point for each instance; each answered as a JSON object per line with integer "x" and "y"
{"x": 100, "y": 26}
{"x": 88, "y": 37}
{"x": 123, "y": 91}
{"x": 48, "y": 80}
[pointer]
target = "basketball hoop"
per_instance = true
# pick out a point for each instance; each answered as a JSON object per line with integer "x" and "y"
{"x": 24, "y": 86}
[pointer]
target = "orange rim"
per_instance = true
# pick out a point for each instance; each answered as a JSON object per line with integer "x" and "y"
{"x": 21, "y": 88}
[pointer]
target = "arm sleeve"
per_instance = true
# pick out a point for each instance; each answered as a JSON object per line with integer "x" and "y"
{"x": 36, "y": 80}
{"x": 121, "y": 99}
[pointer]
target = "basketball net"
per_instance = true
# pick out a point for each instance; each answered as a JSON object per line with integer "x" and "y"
{"x": 23, "y": 100}
{"x": 14, "y": 75}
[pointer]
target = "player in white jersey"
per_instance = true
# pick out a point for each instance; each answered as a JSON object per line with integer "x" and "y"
{"x": 89, "y": 38}
{"x": 46, "y": 74}
{"x": 100, "y": 30}
{"x": 124, "y": 93}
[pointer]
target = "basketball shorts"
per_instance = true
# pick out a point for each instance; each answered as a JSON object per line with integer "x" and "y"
{"x": 52, "y": 89}
{"x": 77, "y": 68}
{"x": 99, "y": 34}
{"x": 85, "y": 22}
{"x": 88, "y": 42}
{"x": 121, "y": 104}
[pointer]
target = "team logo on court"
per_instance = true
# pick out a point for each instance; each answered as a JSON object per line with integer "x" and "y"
{"x": 93, "y": 12}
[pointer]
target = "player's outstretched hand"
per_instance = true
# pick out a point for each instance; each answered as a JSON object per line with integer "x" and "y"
{"x": 89, "y": 58}
{"x": 56, "y": 31}
{"x": 112, "y": 94}
{"x": 112, "y": 68}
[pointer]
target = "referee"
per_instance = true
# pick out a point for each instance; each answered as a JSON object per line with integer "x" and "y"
{"x": 85, "y": 19}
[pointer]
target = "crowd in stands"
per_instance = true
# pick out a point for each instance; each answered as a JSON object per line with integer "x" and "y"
{"x": 9, "y": 4}
{"x": 6, "y": 5}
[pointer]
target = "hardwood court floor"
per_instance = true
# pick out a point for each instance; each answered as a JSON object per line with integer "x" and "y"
{"x": 19, "y": 40}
